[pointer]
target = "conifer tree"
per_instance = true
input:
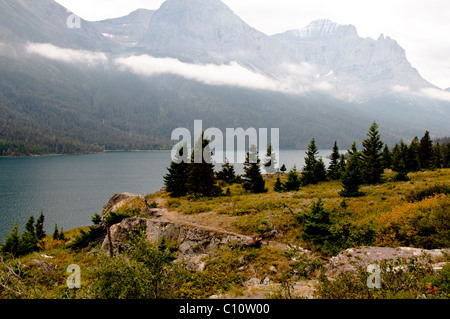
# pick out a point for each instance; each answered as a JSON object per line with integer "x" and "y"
{"x": 293, "y": 182}
{"x": 341, "y": 165}
{"x": 201, "y": 177}
{"x": 316, "y": 225}
{"x": 271, "y": 161}
{"x": 446, "y": 156}
{"x": 352, "y": 178}
{"x": 402, "y": 172}
{"x": 253, "y": 180}
{"x": 333, "y": 168}
{"x": 12, "y": 242}
{"x": 314, "y": 169}
{"x": 438, "y": 156}
{"x": 399, "y": 154}
{"x": 40, "y": 232}
{"x": 283, "y": 168}
{"x": 176, "y": 179}
{"x": 278, "y": 187}
{"x": 426, "y": 151}
{"x": 371, "y": 156}
{"x": 56, "y": 233}
{"x": 386, "y": 157}
{"x": 412, "y": 163}
{"x": 227, "y": 174}
{"x": 28, "y": 240}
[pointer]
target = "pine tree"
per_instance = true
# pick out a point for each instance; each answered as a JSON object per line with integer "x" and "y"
{"x": 293, "y": 182}
{"x": 386, "y": 157}
{"x": 253, "y": 180}
{"x": 426, "y": 151}
{"x": 316, "y": 225}
{"x": 271, "y": 161}
{"x": 341, "y": 166}
{"x": 278, "y": 187}
{"x": 12, "y": 243}
{"x": 176, "y": 179}
{"x": 412, "y": 163}
{"x": 399, "y": 155}
{"x": 402, "y": 172}
{"x": 314, "y": 170}
{"x": 283, "y": 168}
{"x": 352, "y": 178}
{"x": 29, "y": 226}
{"x": 227, "y": 174}
{"x": 333, "y": 168}
{"x": 202, "y": 178}
{"x": 28, "y": 240}
{"x": 40, "y": 232}
{"x": 446, "y": 156}
{"x": 56, "y": 233}
{"x": 320, "y": 171}
{"x": 438, "y": 156}
{"x": 371, "y": 156}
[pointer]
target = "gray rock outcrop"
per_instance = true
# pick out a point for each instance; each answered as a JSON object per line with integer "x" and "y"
{"x": 347, "y": 260}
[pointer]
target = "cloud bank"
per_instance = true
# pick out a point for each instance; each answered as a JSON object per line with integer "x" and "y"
{"x": 298, "y": 79}
{"x": 432, "y": 93}
{"x": 52, "y": 52}
{"x": 212, "y": 74}
{"x": 295, "y": 79}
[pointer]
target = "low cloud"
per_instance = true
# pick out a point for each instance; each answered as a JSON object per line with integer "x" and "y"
{"x": 436, "y": 94}
{"x": 432, "y": 93}
{"x": 305, "y": 77}
{"x": 295, "y": 79}
{"x": 212, "y": 74}
{"x": 49, "y": 51}
{"x": 299, "y": 79}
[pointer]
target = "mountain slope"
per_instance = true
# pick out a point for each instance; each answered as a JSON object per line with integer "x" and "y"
{"x": 46, "y": 21}
{"x": 361, "y": 67}
{"x": 127, "y": 30}
{"x": 207, "y": 31}
{"x": 78, "y": 93}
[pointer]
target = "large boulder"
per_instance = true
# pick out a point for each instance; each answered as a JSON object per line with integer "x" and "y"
{"x": 348, "y": 260}
{"x": 194, "y": 241}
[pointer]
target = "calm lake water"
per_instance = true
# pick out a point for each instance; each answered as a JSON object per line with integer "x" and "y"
{"x": 70, "y": 189}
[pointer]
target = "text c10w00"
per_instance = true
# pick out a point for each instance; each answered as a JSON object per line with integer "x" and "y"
{"x": 246, "y": 309}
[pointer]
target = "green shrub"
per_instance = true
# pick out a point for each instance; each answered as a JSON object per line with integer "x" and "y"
{"x": 145, "y": 271}
{"x": 430, "y": 191}
{"x": 400, "y": 279}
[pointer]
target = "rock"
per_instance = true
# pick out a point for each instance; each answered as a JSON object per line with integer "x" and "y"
{"x": 194, "y": 241}
{"x": 252, "y": 282}
{"x": 115, "y": 202}
{"x": 364, "y": 256}
{"x": 273, "y": 269}
{"x": 266, "y": 281}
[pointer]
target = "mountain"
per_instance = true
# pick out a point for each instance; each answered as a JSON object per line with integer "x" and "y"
{"x": 127, "y": 83}
{"x": 360, "y": 67}
{"x": 207, "y": 31}
{"x": 128, "y": 30}
{"x": 46, "y": 21}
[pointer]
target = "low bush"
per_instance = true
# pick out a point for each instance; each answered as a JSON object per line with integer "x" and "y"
{"x": 424, "y": 224}
{"x": 430, "y": 191}
{"x": 400, "y": 279}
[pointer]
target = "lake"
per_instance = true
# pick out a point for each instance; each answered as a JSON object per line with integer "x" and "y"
{"x": 69, "y": 189}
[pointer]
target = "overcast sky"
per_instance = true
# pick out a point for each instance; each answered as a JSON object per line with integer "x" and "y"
{"x": 421, "y": 27}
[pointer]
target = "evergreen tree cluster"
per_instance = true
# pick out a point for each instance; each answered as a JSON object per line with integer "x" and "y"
{"x": 22, "y": 244}
{"x": 185, "y": 177}
{"x": 353, "y": 169}
{"x": 421, "y": 154}
{"x": 367, "y": 166}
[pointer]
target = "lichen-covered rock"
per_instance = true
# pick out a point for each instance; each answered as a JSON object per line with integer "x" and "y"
{"x": 194, "y": 242}
{"x": 364, "y": 256}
